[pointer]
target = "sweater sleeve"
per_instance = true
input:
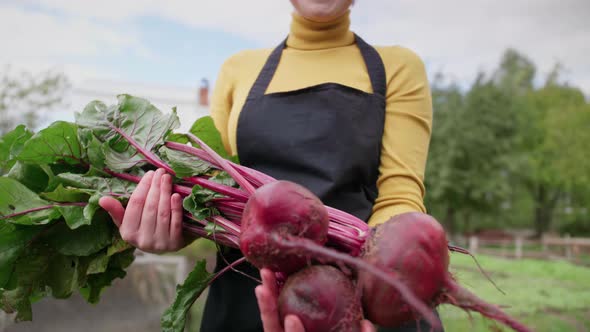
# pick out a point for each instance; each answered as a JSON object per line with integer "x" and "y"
{"x": 406, "y": 137}
{"x": 221, "y": 103}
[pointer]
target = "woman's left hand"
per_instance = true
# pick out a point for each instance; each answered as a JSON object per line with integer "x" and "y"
{"x": 267, "y": 295}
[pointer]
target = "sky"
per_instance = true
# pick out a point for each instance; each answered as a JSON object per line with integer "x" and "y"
{"x": 169, "y": 45}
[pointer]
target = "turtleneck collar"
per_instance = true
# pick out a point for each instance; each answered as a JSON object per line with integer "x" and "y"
{"x": 310, "y": 35}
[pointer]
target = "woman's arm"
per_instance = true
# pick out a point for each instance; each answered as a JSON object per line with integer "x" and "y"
{"x": 406, "y": 137}
{"x": 222, "y": 101}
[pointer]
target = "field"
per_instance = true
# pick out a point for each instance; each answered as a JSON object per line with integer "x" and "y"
{"x": 549, "y": 296}
{"x": 546, "y": 295}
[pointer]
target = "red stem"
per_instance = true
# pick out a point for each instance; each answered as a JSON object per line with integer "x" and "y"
{"x": 224, "y": 239}
{"x": 40, "y": 208}
{"x": 232, "y": 192}
{"x": 150, "y": 156}
{"x": 182, "y": 190}
{"x": 224, "y": 164}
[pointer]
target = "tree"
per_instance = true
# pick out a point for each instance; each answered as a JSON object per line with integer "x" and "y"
{"x": 473, "y": 139}
{"x": 555, "y": 130}
{"x": 505, "y": 151}
{"x": 25, "y": 96}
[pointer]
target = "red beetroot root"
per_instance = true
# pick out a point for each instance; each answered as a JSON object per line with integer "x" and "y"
{"x": 413, "y": 247}
{"x": 324, "y": 299}
{"x": 282, "y": 209}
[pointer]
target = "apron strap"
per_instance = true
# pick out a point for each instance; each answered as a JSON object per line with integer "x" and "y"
{"x": 267, "y": 72}
{"x": 375, "y": 66}
{"x": 373, "y": 61}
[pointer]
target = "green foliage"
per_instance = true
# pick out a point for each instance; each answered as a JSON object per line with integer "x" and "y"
{"x": 174, "y": 318}
{"x": 505, "y": 152}
{"x": 54, "y": 238}
{"x": 11, "y": 145}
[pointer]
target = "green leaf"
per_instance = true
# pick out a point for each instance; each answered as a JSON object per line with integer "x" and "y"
{"x": 212, "y": 227}
{"x": 184, "y": 164}
{"x": 56, "y": 143}
{"x": 96, "y": 184}
{"x": 16, "y": 198}
{"x": 122, "y": 259}
{"x": 178, "y": 138}
{"x": 93, "y": 147}
{"x": 174, "y": 317}
{"x": 135, "y": 117}
{"x": 204, "y": 128}
{"x": 69, "y": 194}
{"x": 98, "y": 264}
{"x": 197, "y": 205}
{"x": 13, "y": 240}
{"x": 74, "y": 216}
{"x": 35, "y": 177}
{"x": 92, "y": 206}
{"x": 84, "y": 240}
{"x": 118, "y": 245}
{"x": 30, "y": 271}
{"x": 63, "y": 274}
{"x": 224, "y": 178}
{"x": 96, "y": 283}
{"x": 10, "y": 146}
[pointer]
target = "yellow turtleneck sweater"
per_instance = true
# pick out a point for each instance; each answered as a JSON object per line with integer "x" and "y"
{"x": 325, "y": 52}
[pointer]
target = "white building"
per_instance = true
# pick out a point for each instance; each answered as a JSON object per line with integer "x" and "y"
{"x": 190, "y": 103}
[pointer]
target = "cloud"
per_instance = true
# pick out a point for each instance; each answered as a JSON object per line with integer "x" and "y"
{"x": 260, "y": 21}
{"x": 464, "y": 36}
{"x": 458, "y": 37}
{"x": 37, "y": 41}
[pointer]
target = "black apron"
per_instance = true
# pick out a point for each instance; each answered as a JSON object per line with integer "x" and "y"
{"x": 325, "y": 137}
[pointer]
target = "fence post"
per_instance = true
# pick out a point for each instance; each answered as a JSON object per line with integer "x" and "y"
{"x": 473, "y": 244}
{"x": 544, "y": 243}
{"x": 518, "y": 247}
{"x": 568, "y": 246}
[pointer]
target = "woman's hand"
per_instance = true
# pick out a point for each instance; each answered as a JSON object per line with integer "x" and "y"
{"x": 267, "y": 295}
{"x": 152, "y": 221}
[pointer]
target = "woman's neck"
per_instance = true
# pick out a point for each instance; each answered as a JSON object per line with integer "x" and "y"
{"x": 309, "y": 35}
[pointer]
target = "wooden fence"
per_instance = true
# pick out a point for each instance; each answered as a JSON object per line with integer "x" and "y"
{"x": 572, "y": 249}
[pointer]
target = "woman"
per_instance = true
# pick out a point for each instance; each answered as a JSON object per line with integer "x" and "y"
{"x": 324, "y": 109}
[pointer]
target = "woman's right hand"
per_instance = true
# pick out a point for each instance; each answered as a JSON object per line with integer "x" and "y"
{"x": 152, "y": 221}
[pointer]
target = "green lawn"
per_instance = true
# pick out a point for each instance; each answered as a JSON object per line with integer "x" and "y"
{"x": 548, "y": 296}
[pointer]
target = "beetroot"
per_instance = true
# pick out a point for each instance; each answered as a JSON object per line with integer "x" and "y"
{"x": 276, "y": 211}
{"x": 324, "y": 299}
{"x": 284, "y": 226}
{"x": 413, "y": 247}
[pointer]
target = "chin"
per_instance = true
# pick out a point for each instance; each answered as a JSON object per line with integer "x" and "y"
{"x": 321, "y": 10}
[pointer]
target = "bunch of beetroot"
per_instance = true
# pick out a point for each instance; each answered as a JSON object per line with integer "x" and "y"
{"x": 401, "y": 275}
{"x": 336, "y": 269}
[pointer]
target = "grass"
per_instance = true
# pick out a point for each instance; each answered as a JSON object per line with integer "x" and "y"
{"x": 548, "y": 296}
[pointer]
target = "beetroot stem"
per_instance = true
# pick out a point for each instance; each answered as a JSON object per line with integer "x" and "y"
{"x": 40, "y": 208}
{"x": 150, "y": 156}
{"x": 224, "y": 164}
